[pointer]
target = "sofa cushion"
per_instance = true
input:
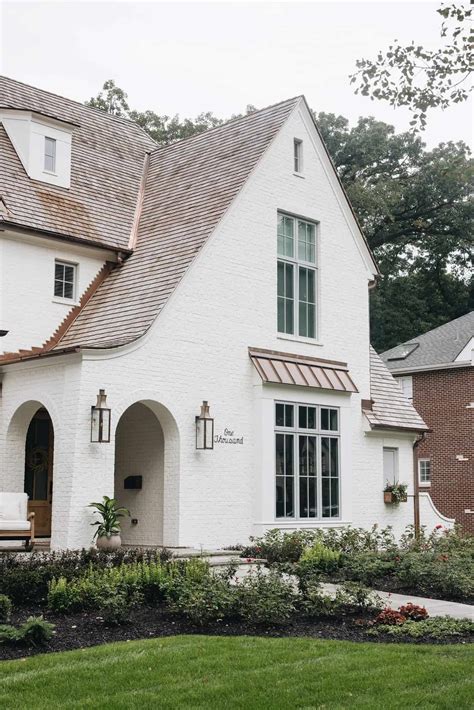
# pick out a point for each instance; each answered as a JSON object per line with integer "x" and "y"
{"x": 13, "y": 506}
{"x": 14, "y": 525}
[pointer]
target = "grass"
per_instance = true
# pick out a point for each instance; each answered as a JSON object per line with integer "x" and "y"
{"x": 242, "y": 672}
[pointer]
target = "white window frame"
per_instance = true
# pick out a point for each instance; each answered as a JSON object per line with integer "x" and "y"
{"x": 424, "y": 484}
{"x": 48, "y": 141}
{"x": 393, "y": 450}
{"x": 318, "y": 433}
{"x": 297, "y": 264}
{"x": 405, "y": 382}
{"x": 297, "y": 155}
{"x": 66, "y": 299}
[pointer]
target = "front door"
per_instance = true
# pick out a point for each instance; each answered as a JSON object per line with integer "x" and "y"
{"x": 39, "y": 471}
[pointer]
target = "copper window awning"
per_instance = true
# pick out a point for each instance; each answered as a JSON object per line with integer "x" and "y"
{"x": 286, "y": 369}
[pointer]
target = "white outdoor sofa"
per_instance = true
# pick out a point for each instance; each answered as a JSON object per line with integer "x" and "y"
{"x": 15, "y": 522}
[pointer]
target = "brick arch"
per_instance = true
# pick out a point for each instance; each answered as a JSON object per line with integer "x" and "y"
{"x": 147, "y": 445}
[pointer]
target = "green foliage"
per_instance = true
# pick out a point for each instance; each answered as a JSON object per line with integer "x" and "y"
{"x": 5, "y": 608}
{"x": 367, "y": 567}
{"x": 115, "y": 609}
{"x": 356, "y": 597}
{"x": 110, "y": 513}
{"x": 320, "y": 557}
{"x": 283, "y": 547}
{"x": 266, "y": 599}
{"x": 398, "y": 491}
{"x": 447, "y": 576}
{"x": 210, "y": 599}
{"x": 436, "y": 628}
{"x": 422, "y": 78}
{"x": 25, "y": 579}
{"x": 35, "y": 631}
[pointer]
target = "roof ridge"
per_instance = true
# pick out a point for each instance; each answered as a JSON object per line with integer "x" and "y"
{"x": 79, "y": 103}
{"x": 226, "y": 124}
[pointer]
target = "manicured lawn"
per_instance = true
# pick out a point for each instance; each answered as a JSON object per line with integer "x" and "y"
{"x": 242, "y": 672}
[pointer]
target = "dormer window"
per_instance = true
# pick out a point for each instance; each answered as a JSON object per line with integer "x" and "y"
{"x": 298, "y": 155}
{"x": 43, "y": 144}
{"x": 50, "y": 154}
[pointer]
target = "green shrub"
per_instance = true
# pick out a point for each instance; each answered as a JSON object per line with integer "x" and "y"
{"x": 5, "y": 608}
{"x": 355, "y": 597}
{"x": 314, "y": 603}
{"x": 35, "y": 631}
{"x": 436, "y": 628}
{"x": 26, "y": 580}
{"x": 320, "y": 558}
{"x": 210, "y": 599}
{"x": 368, "y": 567}
{"x": 448, "y": 576}
{"x": 116, "y": 609}
{"x": 266, "y": 598}
{"x": 8, "y": 634}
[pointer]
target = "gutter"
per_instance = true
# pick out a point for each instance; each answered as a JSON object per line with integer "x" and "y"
{"x": 46, "y": 353}
{"x": 12, "y": 226}
{"x": 416, "y": 487}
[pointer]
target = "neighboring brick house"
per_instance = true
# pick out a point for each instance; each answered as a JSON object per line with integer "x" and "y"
{"x": 436, "y": 373}
{"x": 228, "y": 268}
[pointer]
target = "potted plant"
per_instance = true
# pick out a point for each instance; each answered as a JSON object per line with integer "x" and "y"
{"x": 108, "y": 527}
{"x": 395, "y": 493}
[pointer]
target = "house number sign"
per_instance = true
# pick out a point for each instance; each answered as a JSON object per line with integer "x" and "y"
{"x": 228, "y": 437}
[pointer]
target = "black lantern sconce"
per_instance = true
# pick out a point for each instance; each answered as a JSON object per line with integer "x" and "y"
{"x": 204, "y": 428}
{"x": 100, "y": 420}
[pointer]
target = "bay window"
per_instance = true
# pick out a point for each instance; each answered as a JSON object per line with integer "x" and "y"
{"x": 296, "y": 276}
{"x": 307, "y": 464}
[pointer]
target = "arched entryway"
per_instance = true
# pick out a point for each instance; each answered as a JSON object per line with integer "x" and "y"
{"x": 140, "y": 474}
{"x": 38, "y": 479}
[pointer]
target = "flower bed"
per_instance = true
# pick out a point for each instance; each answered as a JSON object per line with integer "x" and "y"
{"x": 144, "y": 596}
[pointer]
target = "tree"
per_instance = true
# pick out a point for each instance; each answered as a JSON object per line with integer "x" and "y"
{"x": 414, "y": 207}
{"x": 420, "y": 78}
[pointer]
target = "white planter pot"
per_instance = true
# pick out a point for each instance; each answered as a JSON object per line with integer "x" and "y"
{"x": 109, "y": 543}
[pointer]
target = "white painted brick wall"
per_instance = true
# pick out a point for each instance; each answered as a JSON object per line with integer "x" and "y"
{"x": 198, "y": 349}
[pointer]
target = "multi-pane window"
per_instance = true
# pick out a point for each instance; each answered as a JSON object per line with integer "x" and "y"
{"x": 50, "y": 154}
{"x": 296, "y": 276}
{"x": 307, "y": 453}
{"x": 64, "y": 279}
{"x": 424, "y": 471}
{"x": 298, "y": 155}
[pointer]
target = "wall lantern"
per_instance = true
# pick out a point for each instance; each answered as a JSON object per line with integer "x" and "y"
{"x": 100, "y": 420}
{"x": 204, "y": 428}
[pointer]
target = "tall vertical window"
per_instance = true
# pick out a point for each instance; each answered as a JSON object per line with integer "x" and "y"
{"x": 307, "y": 461}
{"x": 296, "y": 276}
{"x": 50, "y": 154}
{"x": 406, "y": 386}
{"x": 390, "y": 465}
{"x": 64, "y": 279}
{"x": 424, "y": 472}
{"x": 298, "y": 155}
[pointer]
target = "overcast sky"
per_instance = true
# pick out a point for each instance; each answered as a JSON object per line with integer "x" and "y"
{"x": 220, "y": 56}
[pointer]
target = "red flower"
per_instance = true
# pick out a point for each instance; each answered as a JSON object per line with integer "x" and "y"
{"x": 438, "y": 527}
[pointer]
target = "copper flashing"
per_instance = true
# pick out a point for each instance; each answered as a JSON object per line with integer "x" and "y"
{"x": 288, "y": 369}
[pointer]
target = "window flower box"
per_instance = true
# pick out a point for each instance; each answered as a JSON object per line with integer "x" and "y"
{"x": 395, "y": 493}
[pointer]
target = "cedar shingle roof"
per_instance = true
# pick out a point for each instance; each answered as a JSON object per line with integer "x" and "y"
{"x": 189, "y": 187}
{"x": 106, "y": 169}
{"x": 439, "y": 346}
{"x": 390, "y": 408}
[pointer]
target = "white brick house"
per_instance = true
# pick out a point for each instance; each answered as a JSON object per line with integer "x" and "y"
{"x": 229, "y": 268}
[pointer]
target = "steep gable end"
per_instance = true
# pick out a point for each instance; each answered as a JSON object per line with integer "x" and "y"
{"x": 189, "y": 187}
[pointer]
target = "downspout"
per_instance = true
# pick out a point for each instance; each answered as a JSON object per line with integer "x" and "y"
{"x": 416, "y": 487}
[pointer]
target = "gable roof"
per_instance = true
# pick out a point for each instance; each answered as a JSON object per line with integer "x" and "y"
{"x": 189, "y": 187}
{"x": 390, "y": 409}
{"x": 439, "y": 346}
{"x": 106, "y": 170}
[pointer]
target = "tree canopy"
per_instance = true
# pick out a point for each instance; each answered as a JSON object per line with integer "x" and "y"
{"x": 421, "y": 78}
{"x": 413, "y": 204}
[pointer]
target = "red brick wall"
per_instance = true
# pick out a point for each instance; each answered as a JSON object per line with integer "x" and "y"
{"x": 441, "y": 397}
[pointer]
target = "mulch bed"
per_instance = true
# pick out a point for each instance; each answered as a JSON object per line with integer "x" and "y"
{"x": 87, "y": 629}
